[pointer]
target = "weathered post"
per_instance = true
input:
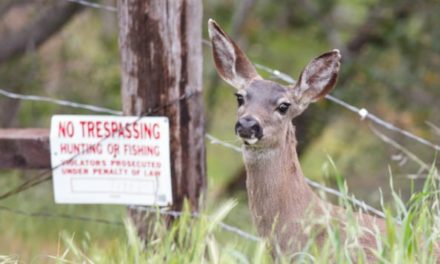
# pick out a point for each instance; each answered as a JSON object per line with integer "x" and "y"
{"x": 161, "y": 63}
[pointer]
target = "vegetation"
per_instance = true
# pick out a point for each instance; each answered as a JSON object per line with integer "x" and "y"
{"x": 391, "y": 64}
{"x": 202, "y": 239}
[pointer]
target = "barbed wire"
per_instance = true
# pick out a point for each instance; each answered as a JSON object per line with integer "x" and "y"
{"x": 362, "y": 112}
{"x": 361, "y": 204}
{"x": 38, "y": 98}
{"x": 216, "y": 141}
{"x": 435, "y": 128}
{"x": 59, "y": 215}
{"x": 46, "y": 175}
{"x": 94, "y": 5}
{"x": 45, "y": 214}
{"x": 224, "y": 226}
{"x": 213, "y": 140}
{"x": 424, "y": 167}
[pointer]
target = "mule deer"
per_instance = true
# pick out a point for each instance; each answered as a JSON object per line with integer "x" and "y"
{"x": 280, "y": 200}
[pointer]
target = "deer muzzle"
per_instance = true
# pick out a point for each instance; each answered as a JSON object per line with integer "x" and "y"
{"x": 249, "y": 130}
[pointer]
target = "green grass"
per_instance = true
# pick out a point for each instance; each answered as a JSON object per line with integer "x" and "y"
{"x": 202, "y": 240}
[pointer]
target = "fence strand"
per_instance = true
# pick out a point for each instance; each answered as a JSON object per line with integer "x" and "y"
{"x": 224, "y": 226}
{"x": 42, "y": 178}
{"x": 59, "y": 215}
{"x": 94, "y": 5}
{"x": 46, "y": 175}
{"x": 361, "y": 204}
{"x": 37, "y": 98}
{"x": 363, "y": 113}
{"x": 213, "y": 140}
{"x": 45, "y": 214}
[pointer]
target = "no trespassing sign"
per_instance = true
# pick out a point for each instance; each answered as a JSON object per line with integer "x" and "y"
{"x": 111, "y": 160}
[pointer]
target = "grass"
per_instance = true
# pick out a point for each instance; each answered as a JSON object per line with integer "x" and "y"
{"x": 188, "y": 240}
{"x": 201, "y": 239}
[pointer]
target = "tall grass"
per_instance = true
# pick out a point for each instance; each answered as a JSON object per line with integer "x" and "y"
{"x": 188, "y": 240}
{"x": 413, "y": 230}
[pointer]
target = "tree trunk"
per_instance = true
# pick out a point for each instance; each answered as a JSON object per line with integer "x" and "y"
{"x": 161, "y": 61}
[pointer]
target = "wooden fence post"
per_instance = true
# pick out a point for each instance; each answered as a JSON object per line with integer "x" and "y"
{"x": 161, "y": 61}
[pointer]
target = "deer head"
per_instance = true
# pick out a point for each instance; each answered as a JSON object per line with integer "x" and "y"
{"x": 266, "y": 108}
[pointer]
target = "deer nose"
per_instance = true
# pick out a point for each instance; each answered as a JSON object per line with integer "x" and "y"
{"x": 248, "y": 127}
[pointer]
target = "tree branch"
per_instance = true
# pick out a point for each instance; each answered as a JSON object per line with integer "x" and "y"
{"x": 37, "y": 31}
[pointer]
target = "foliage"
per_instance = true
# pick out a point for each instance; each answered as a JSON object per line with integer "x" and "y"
{"x": 201, "y": 239}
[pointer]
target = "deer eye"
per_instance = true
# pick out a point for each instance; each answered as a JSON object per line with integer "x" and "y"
{"x": 283, "y": 107}
{"x": 240, "y": 99}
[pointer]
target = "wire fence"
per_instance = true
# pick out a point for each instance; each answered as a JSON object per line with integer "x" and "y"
{"x": 362, "y": 112}
{"x": 224, "y": 226}
{"x": 46, "y": 175}
{"x": 60, "y": 216}
{"x": 94, "y": 5}
{"x": 37, "y": 98}
{"x": 45, "y": 214}
{"x": 361, "y": 204}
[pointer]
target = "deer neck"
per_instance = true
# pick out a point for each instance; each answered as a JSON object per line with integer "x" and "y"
{"x": 277, "y": 190}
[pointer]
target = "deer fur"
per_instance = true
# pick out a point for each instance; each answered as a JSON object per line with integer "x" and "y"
{"x": 284, "y": 208}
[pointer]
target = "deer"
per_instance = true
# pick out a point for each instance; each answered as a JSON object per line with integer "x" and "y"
{"x": 280, "y": 200}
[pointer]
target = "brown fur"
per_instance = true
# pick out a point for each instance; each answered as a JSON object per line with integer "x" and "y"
{"x": 283, "y": 204}
{"x": 284, "y": 208}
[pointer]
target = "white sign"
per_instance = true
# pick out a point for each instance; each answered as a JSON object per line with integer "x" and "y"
{"x": 111, "y": 160}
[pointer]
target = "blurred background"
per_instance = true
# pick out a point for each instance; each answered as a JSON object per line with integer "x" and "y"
{"x": 391, "y": 66}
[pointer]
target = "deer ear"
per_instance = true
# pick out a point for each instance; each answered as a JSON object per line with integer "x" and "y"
{"x": 231, "y": 63}
{"x": 318, "y": 78}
